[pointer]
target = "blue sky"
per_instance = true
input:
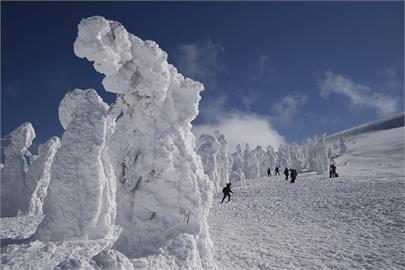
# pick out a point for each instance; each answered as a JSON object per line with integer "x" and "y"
{"x": 280, "y": 71}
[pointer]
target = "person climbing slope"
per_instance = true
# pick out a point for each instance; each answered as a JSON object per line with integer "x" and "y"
{"x": 286, "y": 173}
{"x": 227, "y": 192}
{"x": 277, "y": 171}
{"x": 293, "y": 174}
{"x": 268, "y": 172}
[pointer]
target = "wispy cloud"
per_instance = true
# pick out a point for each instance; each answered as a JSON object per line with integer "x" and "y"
{"x": 262, "y": 69}
{"x": 200, "y": 61}
{"x": 359, "y": 95}
{"x": 248, "y": 97}
{"x": 241, "y": 128}
{"x": 286, "y": 109}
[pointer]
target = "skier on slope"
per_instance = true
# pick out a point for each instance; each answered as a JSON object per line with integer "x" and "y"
{"x": 227, "y": 192}
{"x": 268, "y": 172}
{"x": 286, "y": 173}
{"x": 277, "y": 171}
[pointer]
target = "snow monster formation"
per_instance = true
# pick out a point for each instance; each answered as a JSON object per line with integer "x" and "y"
{"x": 15, "y": 195}
{"x": 163, "y": 195}
{"x": 224, "y": 160}
{"x": 237, "y": 173}
{"x": 208, "y": 148}
{"x": 258, "y": 153}
{"x": 251, "y": 166}
{"x": 81, "y": 202}
{"x": 39, "y": 175}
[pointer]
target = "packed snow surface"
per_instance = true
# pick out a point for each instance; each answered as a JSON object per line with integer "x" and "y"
{"x": 355, "y": 221}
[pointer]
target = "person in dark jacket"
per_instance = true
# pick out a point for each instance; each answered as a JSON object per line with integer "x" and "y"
{"x": 293, "y": 174}
{"x": 277, "y": 171}
{"x": 330, "y": 170}
{"x": 227, "y": 192}
{"x": 286, "y": 173}
{"x": 268, "y": 172}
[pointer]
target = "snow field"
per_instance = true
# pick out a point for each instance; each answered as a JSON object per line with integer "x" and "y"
{"x": 316, "y": 223}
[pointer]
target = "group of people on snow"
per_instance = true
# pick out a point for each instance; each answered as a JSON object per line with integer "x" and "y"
{"x": 292, "y": 173}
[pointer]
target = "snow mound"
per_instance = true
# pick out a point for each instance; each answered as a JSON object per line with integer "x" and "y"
{"x": 15, "y": 195}
{"x": 48, "y": 255}
{"x": 80, "y": 203}
{"x": 163, "y": 194}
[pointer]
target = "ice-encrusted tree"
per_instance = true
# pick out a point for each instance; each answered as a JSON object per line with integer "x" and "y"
{"x": 80, "y": 203}
{"x": 283, "y": 157}
{"x": 259, "y": 155}
{"x": 250, "y": 163}
{"x": 318, "y": 159}
{"x": 164, "y": 201}
{"x": 207, "y": 148}
{"x": 237, "y": 173}
{"x": 15, "y": 194}
{"x": 297, "y": 160}
{"x": 224, "y": 159}
{"x": 39, "y": 175}
{"x": 270, "y": 158}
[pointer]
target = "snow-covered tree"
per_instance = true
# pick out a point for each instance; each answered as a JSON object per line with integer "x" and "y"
{"x": 207, "y": 148}
{"x": 259, "y": 157}
{"x": 283, "y": 157}
{"x": 250, "y": 163}
{"x": 15, "y": 195}
{"x": 223, "y": 159}
{"x": 164, "y": 202}
{"x": 39, "y": 175}
{"x": 81, "y": 202}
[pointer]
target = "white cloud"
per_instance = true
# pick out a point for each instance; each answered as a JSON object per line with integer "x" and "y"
{"x": 286, "y": 109}
{"x": 359, "y": 95}
{"x": 241, "y": 128}
{"x": 200, "y": 61}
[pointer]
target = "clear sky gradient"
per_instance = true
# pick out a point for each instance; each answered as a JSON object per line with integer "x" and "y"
{"x": 296, "y": 69}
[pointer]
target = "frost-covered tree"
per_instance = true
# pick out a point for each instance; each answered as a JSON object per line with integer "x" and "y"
{"x": 223, "y": 159}
{"x": 270, "y": 158}
{"x": 164, "y": 202}
{"x": 237, "y": 165}
{"x": 259, "y": 156}
{"x": 39, "y": 175}
{"x": 250, "y": 163}
{"x": 81, "y": 202}
{"x": 207, "y": 148}
{"x": 283, "y": 157}
{"x": 296, "y": 157}
{"x": 15, "y": 194}
{"x": 318, "y": 156}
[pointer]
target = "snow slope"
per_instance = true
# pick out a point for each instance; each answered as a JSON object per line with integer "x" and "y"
{"x": 356, "y": 221}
